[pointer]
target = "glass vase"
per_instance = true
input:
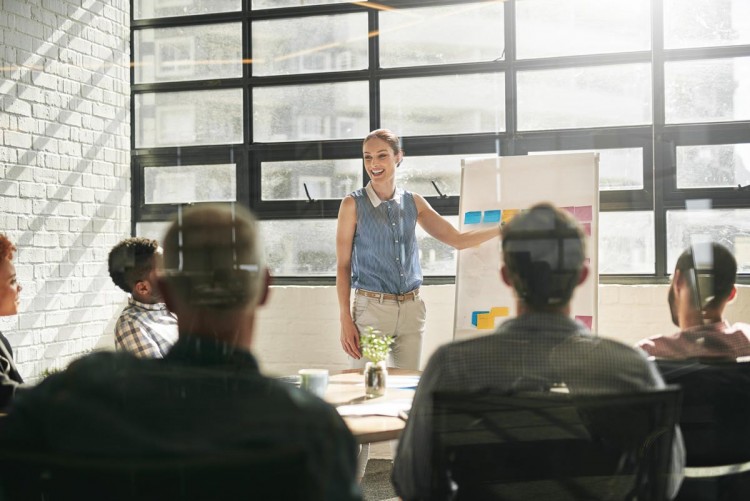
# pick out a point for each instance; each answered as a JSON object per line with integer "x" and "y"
{"x": 376, "y": 375}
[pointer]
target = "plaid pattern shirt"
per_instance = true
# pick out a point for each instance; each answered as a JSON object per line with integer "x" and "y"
{"x": 718, "y": 340}
{"x": 527, "y": 351}
{"x": 146, "y": 330}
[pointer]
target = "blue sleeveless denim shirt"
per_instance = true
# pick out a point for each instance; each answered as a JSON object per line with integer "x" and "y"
{"x": 385, "y": 256}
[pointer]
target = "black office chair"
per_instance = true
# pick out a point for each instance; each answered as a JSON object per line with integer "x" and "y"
{"x": 498, "y": 446}
{"x": 715, "y": 423}
{"x": 263, "y": 475}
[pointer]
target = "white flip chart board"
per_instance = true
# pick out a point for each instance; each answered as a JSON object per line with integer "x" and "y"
{"x": 495, "y": 190}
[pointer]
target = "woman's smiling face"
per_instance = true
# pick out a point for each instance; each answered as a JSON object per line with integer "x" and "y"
{"x": 9, "y": 289}
{"x": 380, "y": 159}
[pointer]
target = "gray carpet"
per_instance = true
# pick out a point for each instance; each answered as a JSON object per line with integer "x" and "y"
{"x": 376, "y": 484}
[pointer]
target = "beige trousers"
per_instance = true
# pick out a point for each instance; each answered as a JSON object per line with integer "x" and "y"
{"x": 404, "y": 320}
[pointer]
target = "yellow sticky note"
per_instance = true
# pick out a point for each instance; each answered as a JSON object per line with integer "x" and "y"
{"x": 509, "y": 214}
{"x": 499, "y": 311}
{"x": 485, "y": 321}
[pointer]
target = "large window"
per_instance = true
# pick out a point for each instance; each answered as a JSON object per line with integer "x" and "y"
{"x": 268, "y": 106}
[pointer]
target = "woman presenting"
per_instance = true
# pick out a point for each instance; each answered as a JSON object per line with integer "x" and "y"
{"x": 377, "y": 254}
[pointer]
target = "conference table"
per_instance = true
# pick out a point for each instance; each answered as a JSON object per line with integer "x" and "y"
{"x": 376, "y": 419}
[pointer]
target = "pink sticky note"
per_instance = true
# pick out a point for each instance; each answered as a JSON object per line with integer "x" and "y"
{"x": 572, "y": 210}
{"x": 585, "y": 320}
{"x": 583, "y": 213}
{"x": 587, "y": 228}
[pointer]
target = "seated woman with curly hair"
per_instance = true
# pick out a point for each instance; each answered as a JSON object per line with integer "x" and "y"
{"x": 9, "y": 292}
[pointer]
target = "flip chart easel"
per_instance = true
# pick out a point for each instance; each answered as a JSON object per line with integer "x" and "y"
{"x": 496, "y": 189}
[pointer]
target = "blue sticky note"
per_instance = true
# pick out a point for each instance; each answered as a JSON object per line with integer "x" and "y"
{"x": 492, "y": 216}
{"x": 474, "y": 315}
{"x": 474, "y": 217}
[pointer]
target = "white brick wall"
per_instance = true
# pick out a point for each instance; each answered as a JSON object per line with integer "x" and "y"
{"x": 64, "y": 171}
{"x": 298, "y": 327}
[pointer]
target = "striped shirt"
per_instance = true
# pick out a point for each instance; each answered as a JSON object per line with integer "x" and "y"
{"x": 146, "y": 330}
{"x": 385, "y": 256}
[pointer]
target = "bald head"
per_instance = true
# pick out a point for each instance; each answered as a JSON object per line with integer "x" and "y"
{"x": 213, "y": 259}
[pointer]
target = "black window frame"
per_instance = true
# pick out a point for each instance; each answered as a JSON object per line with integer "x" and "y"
{"x": 658, "y": 140}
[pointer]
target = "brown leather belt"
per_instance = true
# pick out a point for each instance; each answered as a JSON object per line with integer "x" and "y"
{"x": 407, "y": 296}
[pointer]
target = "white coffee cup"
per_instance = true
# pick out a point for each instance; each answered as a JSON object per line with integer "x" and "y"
{"x": 314, "y": 381}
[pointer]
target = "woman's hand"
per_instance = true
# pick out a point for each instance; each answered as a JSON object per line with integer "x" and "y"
{"x": 350, "y": 339}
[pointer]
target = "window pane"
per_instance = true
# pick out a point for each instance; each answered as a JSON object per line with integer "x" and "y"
{"x": 729, "y": 227}
{"x": 274, "y": 4}
{"x": 417, "y": 173}
{"x": 190, "y": 183}
{"x": 461, "y": 33}
{"x": 153, "y": 230}
{"x": 189, "y": 53}
{"x": 713, "y": 166}
{"x": 706, "y": 23}
{"x": 549, "y": 28}
{"x": 310, "y": 44}
{"x": 626, "y": 243}
{"x": 145, "y": 9}
{"x": 311, "y": 112}
{"x": 710, "y": 90}
{"x": 188, "y": 118}
{"x": 452, "y": 104}
{"x": 304, "y": 247}
{"x": 307, "y": 247}
{"x": 619, "y": 168}
{"x": 595, "y": 96}
{"x": 436, "y": 257}
{"x": 323, "y": 178}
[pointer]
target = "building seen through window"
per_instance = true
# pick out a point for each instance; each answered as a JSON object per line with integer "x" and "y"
{"x": 268, "y": 107}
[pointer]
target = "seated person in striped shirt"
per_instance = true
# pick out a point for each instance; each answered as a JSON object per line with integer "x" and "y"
{"x": 702, "y": 286}
{"x": 145, "y": 327}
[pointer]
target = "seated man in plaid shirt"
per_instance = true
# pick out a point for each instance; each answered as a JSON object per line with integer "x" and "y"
{"x": 145, "y": 327}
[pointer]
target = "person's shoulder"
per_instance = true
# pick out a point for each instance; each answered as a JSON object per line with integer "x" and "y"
{"x": 130, "y": 312}
{"x": 5, "y": 341}
{"x": 296, "y": 401}
{"x": 457, "y": 352}
{"x": 102, "y": 362}
{"x": 600, "y": 353}
{"x": 415, "y": 198}
{"x": 358, "y": 193}
{"x": 610, "y": 345}
{"x": 741, "y": 327}
{"x": 652, "y": 343}
{"x": 95, "y": 370}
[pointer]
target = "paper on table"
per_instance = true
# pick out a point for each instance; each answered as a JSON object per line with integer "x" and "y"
{"x": 405, "y": 382}
{"x": 390, "y": 408}
{"x": 400, "y": 382}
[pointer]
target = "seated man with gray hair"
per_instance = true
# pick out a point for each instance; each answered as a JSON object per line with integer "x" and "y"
{"x": 207, "y": 394}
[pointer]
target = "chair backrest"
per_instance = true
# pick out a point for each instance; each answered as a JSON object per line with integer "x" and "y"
{"x": 715, "y": 417}
{"x": 234, "y": 475}
{"x": 495, "y": 445}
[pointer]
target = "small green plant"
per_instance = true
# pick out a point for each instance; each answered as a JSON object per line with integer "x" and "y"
{"x": 375, "y": 346}
{"x": 49, "y": 371}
